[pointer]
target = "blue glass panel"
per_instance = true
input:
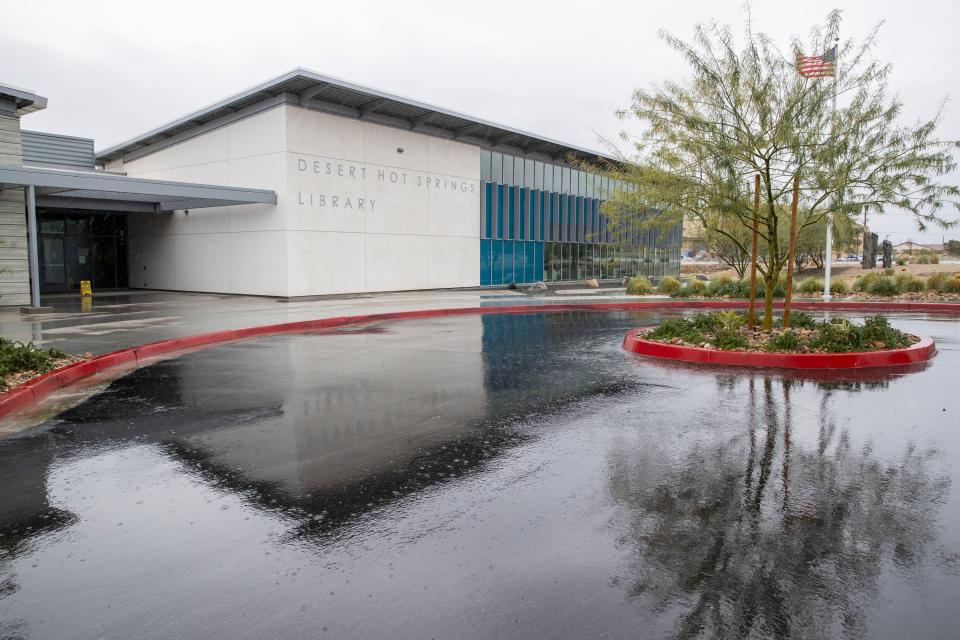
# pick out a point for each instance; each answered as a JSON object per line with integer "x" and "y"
{"x": 522, "y": 214}
{"x": 487, "y": 210}
{"x": 511, "y": 214}
{"x": 496, "y": 266}
{"x": 485, "y": 263}
{"x": 543, "y": 202}
{"x": 537, "y": 261}
{"x": 529, "y": 267}
{"x": 499, "y": 211}
{"x": 508, "y": 262}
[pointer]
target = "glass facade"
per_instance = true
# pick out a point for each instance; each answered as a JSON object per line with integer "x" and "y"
{"x": 542, "y": 221}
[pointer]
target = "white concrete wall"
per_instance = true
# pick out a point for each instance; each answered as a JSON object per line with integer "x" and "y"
{"x": 353, "y": 213}
{"x": 239, "y": 249}
{"x": 363, "y": 216}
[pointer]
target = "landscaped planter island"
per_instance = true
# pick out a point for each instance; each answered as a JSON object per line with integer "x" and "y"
{"x": 718, "y": 339}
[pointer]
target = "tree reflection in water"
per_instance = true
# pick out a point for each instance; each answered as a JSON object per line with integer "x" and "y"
{"x": 752, "y": 534}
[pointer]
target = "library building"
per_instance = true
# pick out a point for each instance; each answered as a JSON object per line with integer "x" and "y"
{"x": 305, "y": 185}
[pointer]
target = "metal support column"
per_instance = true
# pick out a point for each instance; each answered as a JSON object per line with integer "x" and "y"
{"x": 33, "y": 246}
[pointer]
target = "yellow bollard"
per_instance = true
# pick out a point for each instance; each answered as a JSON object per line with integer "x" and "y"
{"x": 85, "y": 289}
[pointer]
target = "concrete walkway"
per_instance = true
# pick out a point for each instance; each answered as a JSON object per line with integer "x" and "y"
{"x": 124, "y": 319}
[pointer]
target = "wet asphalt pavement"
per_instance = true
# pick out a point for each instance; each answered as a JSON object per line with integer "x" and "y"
{"x": 514, "y": 476}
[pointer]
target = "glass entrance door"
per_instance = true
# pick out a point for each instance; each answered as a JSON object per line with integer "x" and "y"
{"x": 76, "y": 245}
{"x": 79, "y": 261}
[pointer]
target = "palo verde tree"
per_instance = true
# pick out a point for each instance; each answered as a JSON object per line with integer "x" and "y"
{"x": 746, "y": 111}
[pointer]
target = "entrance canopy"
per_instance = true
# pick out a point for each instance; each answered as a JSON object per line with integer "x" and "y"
{"x": 77, "y": 189}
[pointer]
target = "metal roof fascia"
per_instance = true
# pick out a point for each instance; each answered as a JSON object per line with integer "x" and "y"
{"x": 106, "y": 154}
{"x": 71, "y": 181}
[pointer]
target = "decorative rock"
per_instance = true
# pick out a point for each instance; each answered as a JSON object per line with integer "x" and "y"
{"x": 592, "y": 283}
{"x": 537, "y": 286}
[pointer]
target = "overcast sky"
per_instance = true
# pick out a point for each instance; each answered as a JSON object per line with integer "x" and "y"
{"x": 114, "y": 69}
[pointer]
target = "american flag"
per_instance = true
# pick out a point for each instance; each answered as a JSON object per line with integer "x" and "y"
{"x": 824, "y": 66}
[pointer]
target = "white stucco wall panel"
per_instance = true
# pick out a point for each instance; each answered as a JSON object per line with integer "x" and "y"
{"x": 382, "y": 147}
{"x": 453, "y": 262}
{"x": 326, "y": 262}
{"x": 203, "y": 262}
{"x": 396, "y": 263}
{"x": 448, "y": 210}
{"x": 258, "y": 263}
{"x": 453, "y": 159}
{"x": 322, "y": 134}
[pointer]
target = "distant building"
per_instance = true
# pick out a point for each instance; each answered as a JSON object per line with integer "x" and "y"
{"x": 910, "y": 246}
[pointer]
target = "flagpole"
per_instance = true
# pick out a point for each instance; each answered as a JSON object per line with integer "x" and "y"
{"x": 828, "y": 255}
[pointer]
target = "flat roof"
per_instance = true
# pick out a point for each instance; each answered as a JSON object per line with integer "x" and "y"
{"x": 333, "y": 95}
{"x": 88, "y": 189}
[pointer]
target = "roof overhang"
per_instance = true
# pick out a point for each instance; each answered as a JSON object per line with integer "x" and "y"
{"x": 312, "y": 90}
{"x": 105, "y": 191}
{"x": 23, "y": 101}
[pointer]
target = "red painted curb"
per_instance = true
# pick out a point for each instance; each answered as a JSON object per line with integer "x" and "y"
{"x": 40, "y": 387}
{"x": 915, "y": 353}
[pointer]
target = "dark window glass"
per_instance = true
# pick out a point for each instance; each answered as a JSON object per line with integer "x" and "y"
{"x": 77, "y": 225}
{"x": 52, "y": 225}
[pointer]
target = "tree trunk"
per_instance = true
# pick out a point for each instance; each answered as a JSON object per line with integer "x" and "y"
{"x": 791, "y": 248}
{"x": 770, "y": 281}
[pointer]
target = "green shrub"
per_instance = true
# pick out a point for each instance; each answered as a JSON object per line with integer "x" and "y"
{"x": 728, "y": 287}
{"x": 801, "y": 320}
{"x": 878, "y": 329}
{"x": 638, "y": 286}
{"x": 16, "y": 357}
{"x": 694, "y": 287}
{"x": 811, "y": 285}
{"x": 901, "y": 262}
{"x": 950, "y": 285}
{"x": 838, "y": 287}
{"x": 728, "y": 338}
{"x": 862, "y": 283}
{"x": 884, "y": 286}
{"x": 785, "y": 341}
{"x": 838, "y": 336}
{"x": 888, "y": 271}
{"x": 928, "y": 257}
{"x": 907, "y": 283}
{"x": 669, "y": 286}
{"x": 936, "y": 280}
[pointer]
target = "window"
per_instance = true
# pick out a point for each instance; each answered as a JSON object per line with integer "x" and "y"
{"x": 528, "y": 174}
{"x": 518, "y": 172}
{"x": 484, "y": 165}
{"x": 507, "y": 169}
{"x": 548, "y": 177}
{"x": 496, "y": 167}
{"x": 565, "y": 184}
{"x": 538, "y": 175}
